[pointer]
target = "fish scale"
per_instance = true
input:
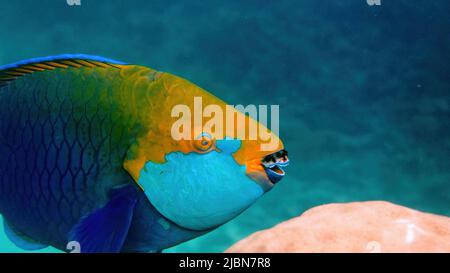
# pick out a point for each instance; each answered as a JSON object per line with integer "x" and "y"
{"x": 52, "y": 157}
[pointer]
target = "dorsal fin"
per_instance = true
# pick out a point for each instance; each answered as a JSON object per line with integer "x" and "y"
{"x": 11, "y": 72}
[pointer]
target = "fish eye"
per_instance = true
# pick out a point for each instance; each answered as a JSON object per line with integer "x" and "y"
{"x": 204, "y": 143}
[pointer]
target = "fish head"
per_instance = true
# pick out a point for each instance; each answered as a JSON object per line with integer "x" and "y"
{"x": 205, "y": 176}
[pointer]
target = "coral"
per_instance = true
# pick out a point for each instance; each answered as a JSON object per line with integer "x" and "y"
{"x": 375, "y": 226}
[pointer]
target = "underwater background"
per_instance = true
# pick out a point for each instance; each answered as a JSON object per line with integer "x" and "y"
{"x": 364, "y": 91}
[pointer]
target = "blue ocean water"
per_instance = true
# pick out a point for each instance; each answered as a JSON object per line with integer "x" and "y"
{"x": 364, "y": 91}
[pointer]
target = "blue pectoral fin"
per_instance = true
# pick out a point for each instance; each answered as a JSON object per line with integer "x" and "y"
{"x": 105, "y": 229}
{"x": 21, "y": 240}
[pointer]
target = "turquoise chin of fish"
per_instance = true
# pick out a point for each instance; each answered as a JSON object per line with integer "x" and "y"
{"x": 215, "y": 191}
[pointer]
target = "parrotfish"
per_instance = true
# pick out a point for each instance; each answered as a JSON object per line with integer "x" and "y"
{"x": 87, "y": 156}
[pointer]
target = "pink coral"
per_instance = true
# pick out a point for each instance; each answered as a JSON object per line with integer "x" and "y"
{"x": 354, "y": 227}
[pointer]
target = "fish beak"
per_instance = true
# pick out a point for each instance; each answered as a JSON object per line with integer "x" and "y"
{"x": 273, "y": 165}
{"x": 268, "y": 169}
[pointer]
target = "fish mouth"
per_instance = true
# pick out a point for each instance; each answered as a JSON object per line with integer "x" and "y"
{"x": 274, "y": 163}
